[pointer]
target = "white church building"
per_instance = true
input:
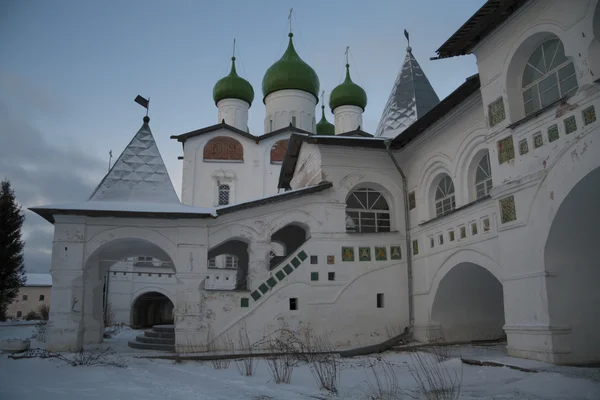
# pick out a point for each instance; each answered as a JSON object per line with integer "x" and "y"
{"x": 468, "y": 218}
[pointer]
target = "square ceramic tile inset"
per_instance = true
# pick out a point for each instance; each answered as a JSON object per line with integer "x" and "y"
{"x": 396, "y": 252}
{"x": 364, "y": 253}
{"x": 380, "y": 253}
{"x": 589, "y": 115}
{"x": 570, "y": 124}
{"x": 506, "y": 150}
{"x": 347, "y": 253}
{"x": 523, "y": 147}
{"x": 508, "y": 211}
{"x": 330, "y": 260}
{"x": 553, "y": 133}
{"x": 538, "y": 140}
{"x": 496, "y": 112}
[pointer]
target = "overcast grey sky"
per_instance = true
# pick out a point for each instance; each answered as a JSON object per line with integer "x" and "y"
{"x": 69, "y": 71}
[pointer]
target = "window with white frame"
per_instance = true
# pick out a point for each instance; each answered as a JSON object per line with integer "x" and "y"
{"x": 212, "y": 262}
{"x": 483, "y": 177}
{"x": 231, "y": 261}
{"x": 367, "y": 211}
{"x": 223, "y": 195}
{"x": 444, "y": 196}
{"x": 548, "y": 76}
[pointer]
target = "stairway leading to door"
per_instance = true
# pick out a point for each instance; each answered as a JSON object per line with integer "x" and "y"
{"x": 160, "y": 337}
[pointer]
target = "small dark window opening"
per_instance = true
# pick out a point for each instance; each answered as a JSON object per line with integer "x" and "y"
{"x": 124, "y": 273}
{"x": 19, "y": 314}
{"x": 314, "y": 259}
{"x": 24, "y": 297}
{"x": 293, "y": 303}
{"x": 159, "y": 275}
{"x": 114, "y": 274}
{"x": 412, "y": 202}
{"x": 42, "y": 297}
{"x": 139, "y": 274}
{"x": 331, "y": 276}
{"x": 379, "y": 300}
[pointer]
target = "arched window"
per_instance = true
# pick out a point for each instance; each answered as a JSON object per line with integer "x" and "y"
{"x": 42, "y": 297}
{"x": 444, "y": 196}
{"x": 278, "y": 151}
{"x": 223, "y": 195}
{"x": 223, "y": 148}
{"x": 548, "y": 76}
{"x": 367, "y": 211}
{"x": 483, "y": 177}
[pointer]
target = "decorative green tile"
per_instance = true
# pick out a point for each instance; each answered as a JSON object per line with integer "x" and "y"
{"x": 255, "y": 295}
{"x": 570, "y": 124}
{"x": 506, "y": 149}
{"x": 280, "y": 275}
{"x": 271, "y": 282}
{"x": 589, "y": 115}
{"x": 496, "y": 112}
{"x": 263, "y": 288}
{"x": 553, "y": 133}
{"x": 396, "y": 252}
{"x": 538, "y": 140}
{"x": 330, "y": 260}
{"x": 364, "y": 253}
{"x": 451, "y": 236}
{"x": 412, "y": 202}
{"x": 523, "y": 147}
{"x": 302, "y": 256}
{"x": 380, "y": 253}
{"x": 474, "y": 228}
{"x": 288, "y": 269}
{"x": 295, "y": 262}
{"x": 463, "y": 232}
{"x": 508, "y": 211}
{"x": 244, "y": 302}
{"x": 314, "y": 276}
{"x": 347, "y": 253}
{"x": 486, "y": 224}
{"x": 415, "y": 247}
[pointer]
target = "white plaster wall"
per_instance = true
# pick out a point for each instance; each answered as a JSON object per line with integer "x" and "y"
{"x": 347, "y": 119}
{"x": 234, "y": 112}
{"x": 281, "y": 105}
{"x": 253, "y": 178}
{"x": 308, "y": 167}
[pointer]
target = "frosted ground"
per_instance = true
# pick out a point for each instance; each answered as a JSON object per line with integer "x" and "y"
{"x": 148, "y": 379}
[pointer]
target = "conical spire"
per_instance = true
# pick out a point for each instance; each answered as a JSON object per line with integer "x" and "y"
{"x": 412, "y": 97}
{"x": 138, "y": 175}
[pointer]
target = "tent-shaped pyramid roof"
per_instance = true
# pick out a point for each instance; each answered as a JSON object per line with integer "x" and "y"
{"x": 412, "y": 97}
{"x": 138, "y": 175}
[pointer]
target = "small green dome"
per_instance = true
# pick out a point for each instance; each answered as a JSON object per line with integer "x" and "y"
{"x": 233, "y": 87}
{"x": 325, "y": 127}
{"x": 290, "y": 72}
{"x": 348, "y": 93}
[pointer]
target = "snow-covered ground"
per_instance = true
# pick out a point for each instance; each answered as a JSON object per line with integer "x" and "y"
{"x": 149, "y": 379}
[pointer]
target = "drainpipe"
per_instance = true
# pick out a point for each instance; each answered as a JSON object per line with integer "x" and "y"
{"x": 411, "y": 315}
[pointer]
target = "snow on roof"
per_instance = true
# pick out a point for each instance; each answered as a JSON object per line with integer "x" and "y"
{"x": 38, "y": 280}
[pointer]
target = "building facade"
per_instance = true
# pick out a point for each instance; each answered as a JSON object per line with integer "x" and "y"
{"x": 33, "y": 295}
{"x": 469, "y": 218}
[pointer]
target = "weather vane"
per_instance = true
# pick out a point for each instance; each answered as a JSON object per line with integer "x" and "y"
{"x": 290, "y": 18}
{"x": 347, "y": 49}
{"x": 233, "y": 47}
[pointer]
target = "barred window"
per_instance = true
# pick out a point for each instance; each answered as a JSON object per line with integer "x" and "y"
{"x": 212, "y": 262}
{"x": 231, "y": 261}
{"x": 367, "y": 211}
{"x": 223, "y": 195}
{"x": 483, "y": 177}
{"x": 444, "y": 196}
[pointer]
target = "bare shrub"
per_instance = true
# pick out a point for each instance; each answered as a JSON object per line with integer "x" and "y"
{"x": 440, "y": 350}
{"x": 382, "y": 382}
{"x": 83, "y": 358}
{"x": 44, "y": 312}
{"x": 246, "y": 366}
{"x": 322, "y": 361}
{"x": 435, "y": 380}
{"x": 221, "y": 345}
{"x": 39, "y": 331}
{"x": 286, "y": 354}
{"x": 32, "y": 316}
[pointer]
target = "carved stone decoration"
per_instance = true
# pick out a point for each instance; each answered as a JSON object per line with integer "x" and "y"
{"x": 508, "y": 211}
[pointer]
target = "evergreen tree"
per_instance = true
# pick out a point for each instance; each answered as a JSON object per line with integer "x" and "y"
{"x": 12, "y": 266}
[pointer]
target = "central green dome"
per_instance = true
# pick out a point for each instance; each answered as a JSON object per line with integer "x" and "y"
{"x": 348, "y": 93}
{"x": 290, "y": 72}
{"x": 233, "y": 87}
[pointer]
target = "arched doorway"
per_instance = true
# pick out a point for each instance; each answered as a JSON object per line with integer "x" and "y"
{"x": 572, "y": 260}
{"x": 234, "y": 254}
{"x": 469, "y": 305}
{"x": 151, "y": 308}
{"x": 97, "y": 267}
{"x": 289, "y": 238}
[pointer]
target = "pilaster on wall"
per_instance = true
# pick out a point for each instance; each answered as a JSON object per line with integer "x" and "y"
{"x": 66, "y": 324}
{"x": 258, "y": 264}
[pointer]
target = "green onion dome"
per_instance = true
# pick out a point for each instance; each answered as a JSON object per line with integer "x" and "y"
{"x": 290, "y": 72}
{"x": 325, "y": 127}
{"x": 233, "y": 87}
{"x": 348, "y": 93}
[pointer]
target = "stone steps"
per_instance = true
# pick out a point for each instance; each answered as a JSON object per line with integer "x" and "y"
{"x": 160, "y": 338}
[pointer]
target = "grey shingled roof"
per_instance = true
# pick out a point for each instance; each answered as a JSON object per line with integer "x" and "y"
{"x": 138, "y": 175}
{"x": 412, "y": 97}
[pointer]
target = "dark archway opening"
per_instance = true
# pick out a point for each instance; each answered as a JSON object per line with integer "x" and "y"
{"x": 469, "y": 305}
{"x": 572, "y": 259}
{"x": 291, "y": 237}
{"x": 151, "y": 308}
{"x": 238, "y": 249}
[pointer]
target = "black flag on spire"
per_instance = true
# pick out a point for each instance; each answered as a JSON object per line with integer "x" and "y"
{"x": 406, "y": 35}
{"x": 142, "y": 101}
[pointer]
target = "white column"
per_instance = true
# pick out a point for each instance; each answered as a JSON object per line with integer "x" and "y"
{"x": 234, "y": 112}
{"x": 347, "y": 119}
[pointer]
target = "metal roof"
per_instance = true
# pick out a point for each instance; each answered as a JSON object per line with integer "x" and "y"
{"x": 490, "y": 16}
{"x": 185, "y": 136}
